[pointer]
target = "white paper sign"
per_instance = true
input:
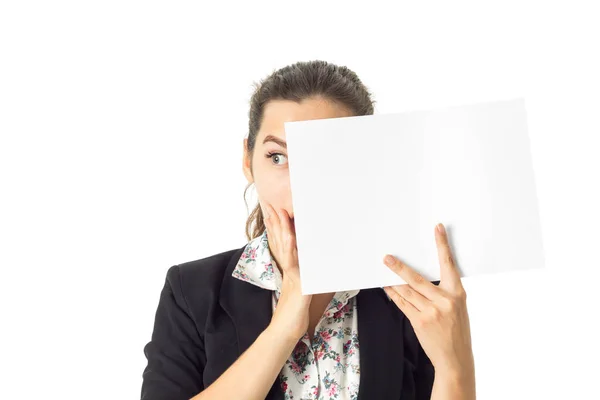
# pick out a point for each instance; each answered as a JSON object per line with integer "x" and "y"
{"x": 366, "y": 186}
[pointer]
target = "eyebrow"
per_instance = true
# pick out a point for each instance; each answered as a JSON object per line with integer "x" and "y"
{"x": 271, "y": 138}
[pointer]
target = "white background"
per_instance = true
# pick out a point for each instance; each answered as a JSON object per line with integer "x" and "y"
{"x": 121, "y": 129}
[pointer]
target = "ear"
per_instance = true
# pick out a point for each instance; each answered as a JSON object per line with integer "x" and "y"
{"x": 246, "y": 163}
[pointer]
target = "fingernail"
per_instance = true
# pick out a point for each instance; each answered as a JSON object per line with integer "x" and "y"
{"x": 389, "y": 260}
{"x": 440, "y": 228}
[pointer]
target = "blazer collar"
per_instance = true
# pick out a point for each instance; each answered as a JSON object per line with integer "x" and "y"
{"x": 380, "y": 332}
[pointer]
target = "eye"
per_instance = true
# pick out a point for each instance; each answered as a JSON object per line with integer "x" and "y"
{"x": 276, "y": 156}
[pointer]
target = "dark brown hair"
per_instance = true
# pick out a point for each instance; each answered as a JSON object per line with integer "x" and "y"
{"x": 297, "y": 82}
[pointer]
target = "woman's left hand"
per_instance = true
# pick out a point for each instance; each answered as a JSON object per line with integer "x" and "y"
{"x": 438, "y": 314}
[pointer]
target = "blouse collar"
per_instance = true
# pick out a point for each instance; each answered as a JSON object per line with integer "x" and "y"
{"x": 256, "y": 266}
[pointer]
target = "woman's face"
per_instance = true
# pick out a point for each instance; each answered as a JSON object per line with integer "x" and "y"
{"x": 270, "y": 172}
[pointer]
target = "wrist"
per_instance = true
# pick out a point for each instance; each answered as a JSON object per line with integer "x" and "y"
{"x": 454, "y": 384}
{"x": 455, "y": 367}
{"x": 282, "y": 333}
{"x": 456, "y": 376}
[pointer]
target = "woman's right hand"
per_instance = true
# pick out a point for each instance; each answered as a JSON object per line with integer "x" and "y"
{"x": 291, "y": 313}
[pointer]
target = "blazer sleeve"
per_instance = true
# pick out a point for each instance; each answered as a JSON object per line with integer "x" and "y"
{"x": 175, "y": 353}
{"x": 419, "y": 373}
{"x": 424, "y": 376}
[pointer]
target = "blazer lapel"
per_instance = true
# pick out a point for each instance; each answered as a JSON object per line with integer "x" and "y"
{"x": 380, "y": 332}
{"x": 249, "y": 306}
{"x": 381, "y": 346}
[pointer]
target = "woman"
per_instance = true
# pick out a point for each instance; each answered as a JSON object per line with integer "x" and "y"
{"x": 236, "y": 326}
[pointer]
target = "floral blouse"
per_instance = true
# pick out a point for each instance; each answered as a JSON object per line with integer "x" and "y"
{"x": 326, "y": 366}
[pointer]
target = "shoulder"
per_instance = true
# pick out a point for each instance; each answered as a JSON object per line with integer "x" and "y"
{"x": 192, "y": 289}
{"x": 204, "y": 274}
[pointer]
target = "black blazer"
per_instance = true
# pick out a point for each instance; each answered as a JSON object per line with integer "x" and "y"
{"x": 206, "y": 319}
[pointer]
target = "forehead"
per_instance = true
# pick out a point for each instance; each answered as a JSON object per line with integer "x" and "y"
{"x": 276, "y": 112}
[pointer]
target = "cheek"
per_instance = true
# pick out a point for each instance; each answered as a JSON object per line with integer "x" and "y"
{"x": 274, "y": 188}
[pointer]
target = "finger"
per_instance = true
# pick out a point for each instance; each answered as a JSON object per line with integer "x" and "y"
{"x": 286, "y": 226}
{"x": 274, "y": 218}
{"x": 407, "y": 308}
{"x": 285, "y": 240}
{"x": 267, "y": 220}
{"x": 449, "y": 274}
{"x": 413, "y": 278}
{"x": 290, "y": 234}
{"x": 275, "y": 226}
{"x": 265, "y": 211}
{"x": 293, "y": 225}
{"x": 272, "y": 232}
{"x": 412, "y": 296}
{"x": 282, "y": 228}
